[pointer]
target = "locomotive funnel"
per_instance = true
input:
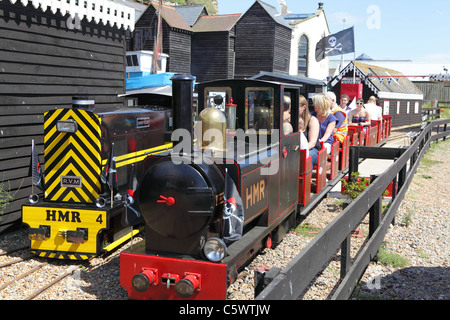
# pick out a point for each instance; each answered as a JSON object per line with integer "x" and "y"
{"x": 182, "y": 100}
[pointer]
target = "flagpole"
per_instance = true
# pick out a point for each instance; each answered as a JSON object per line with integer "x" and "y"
{"x": 354, "y": 57}
{"x": 32, "y": 182}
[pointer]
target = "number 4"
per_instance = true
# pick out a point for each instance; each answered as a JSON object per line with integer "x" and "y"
{"x": 100, "y": 219}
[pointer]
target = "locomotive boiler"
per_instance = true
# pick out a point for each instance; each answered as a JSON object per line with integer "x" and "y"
{"x": 92, "y": 158}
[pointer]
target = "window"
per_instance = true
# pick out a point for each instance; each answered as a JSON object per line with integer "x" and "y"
{"x": 303, "y": 56}
{"x": 408, "y": 107}
{"x": 398, "y": 107}
{"x": 386, "y": 106}
{"x": 416, "y": 107}
{"x": 132, "y": 61}
{"x": 259, "y": 109}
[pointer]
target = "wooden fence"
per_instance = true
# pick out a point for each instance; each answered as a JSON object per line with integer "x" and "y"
{"x": 292, "y": 281}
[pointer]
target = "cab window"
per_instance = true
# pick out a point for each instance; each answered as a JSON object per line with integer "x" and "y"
{"x": 259, "y": 109}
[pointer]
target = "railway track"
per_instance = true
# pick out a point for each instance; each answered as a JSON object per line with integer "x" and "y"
{"x": 24, "y": 276}
{"x": 16, "y": 270}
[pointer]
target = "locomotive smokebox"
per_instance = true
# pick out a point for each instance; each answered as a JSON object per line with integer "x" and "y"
{"x": 182, "y": 101}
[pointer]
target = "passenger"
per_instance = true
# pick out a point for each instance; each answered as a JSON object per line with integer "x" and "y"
{"x": 309, "y": 126}
{"x": 359, "y": 116}
{"x": 374, "y": 109}
{"x": 303, "y": 141}
{"x": 345, "y": 100}
{"x": 326, "y": 119}
{"x": 341, "y": 129}
{"x": 287, "y": 127}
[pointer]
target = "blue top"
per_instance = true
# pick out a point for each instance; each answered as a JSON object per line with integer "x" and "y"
{"x": 323, "y": 127}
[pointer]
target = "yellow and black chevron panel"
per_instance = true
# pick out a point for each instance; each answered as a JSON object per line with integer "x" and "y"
{"x": 72, "y": 159}
{"x": 63, "y": 255}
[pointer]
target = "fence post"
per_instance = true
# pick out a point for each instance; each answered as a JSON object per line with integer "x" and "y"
{"x": 346, "y": 262}
{"x": 353, "y": 162}
{"x": 375, "y": 212}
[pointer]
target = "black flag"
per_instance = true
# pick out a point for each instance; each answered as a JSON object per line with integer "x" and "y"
{"x": 336, "y": 44}
{"x": 233, "y": 212}
{"x": 131, "y": 215}
{"x": 109, "y": 173}
{"x": 35, "y": 170}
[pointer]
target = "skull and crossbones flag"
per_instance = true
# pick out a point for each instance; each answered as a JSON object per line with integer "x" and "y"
{"x": 336, "y": 44}
{"x": 233, "y": 212}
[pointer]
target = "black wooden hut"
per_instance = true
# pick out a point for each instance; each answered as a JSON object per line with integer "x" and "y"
{"x": 213, "y": 47}
{"x": 177, "y": 36}
{"x": 45, "y": 61}
{"x": 398, "y": 96}
{"x": 263, "y": 41}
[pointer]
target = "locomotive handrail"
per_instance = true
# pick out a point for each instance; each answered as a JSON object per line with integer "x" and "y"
{"x": 240, "y": 157}
{"x": 300, "y": 272}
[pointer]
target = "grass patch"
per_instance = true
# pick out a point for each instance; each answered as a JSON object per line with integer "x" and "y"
{"x": 423, "y": 255}
{"x": 407, "y": 218}
{"x": 307, "y": 230}
{"x": 390, "y": 258}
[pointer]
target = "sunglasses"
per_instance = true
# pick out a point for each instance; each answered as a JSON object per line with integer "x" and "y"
{"x": 359, "y": 103}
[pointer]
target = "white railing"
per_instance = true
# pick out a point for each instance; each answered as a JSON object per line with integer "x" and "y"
{"x": 105, "y": 10}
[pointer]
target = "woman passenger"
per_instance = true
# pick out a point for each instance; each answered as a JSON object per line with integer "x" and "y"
{"x": 359, "y": 116}
{"x": 327, "y": 120}
{"x": 309, "y": 126}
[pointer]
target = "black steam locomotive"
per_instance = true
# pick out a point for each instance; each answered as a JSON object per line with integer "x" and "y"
{"x": 211, "y": 205}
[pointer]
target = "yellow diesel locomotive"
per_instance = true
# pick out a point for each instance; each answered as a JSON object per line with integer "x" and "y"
{"x": 93, "y": 160}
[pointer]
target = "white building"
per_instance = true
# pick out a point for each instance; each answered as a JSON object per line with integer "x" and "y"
{"x": 307, "y": 31}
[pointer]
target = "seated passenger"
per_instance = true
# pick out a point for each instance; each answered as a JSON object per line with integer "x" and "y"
{"x": 341, "y": 129}
{"x": 374, "y": 109}
{"x": 359, "y": 116}
{"x": 327, "y": 120}
{"x": 287, "y": 127}
{"x": 309, "y": 126}
{"x": 303, "y": 141}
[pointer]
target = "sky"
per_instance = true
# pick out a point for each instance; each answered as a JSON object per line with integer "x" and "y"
{"x": 384, "y": 29}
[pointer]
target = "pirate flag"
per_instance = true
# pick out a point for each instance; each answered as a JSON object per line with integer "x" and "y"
{"x": 233, "y": 212}
{"x": 131, "y": 215}
{"x": 336, "y": 44}
{"x": 35, "y": 170}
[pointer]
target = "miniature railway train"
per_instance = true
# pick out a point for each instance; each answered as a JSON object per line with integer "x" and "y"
{"x": 233, "y": 185}
{"x": 210, "y": 206}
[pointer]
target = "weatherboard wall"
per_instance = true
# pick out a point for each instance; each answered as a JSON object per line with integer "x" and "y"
{"x": 45, "y": 59}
